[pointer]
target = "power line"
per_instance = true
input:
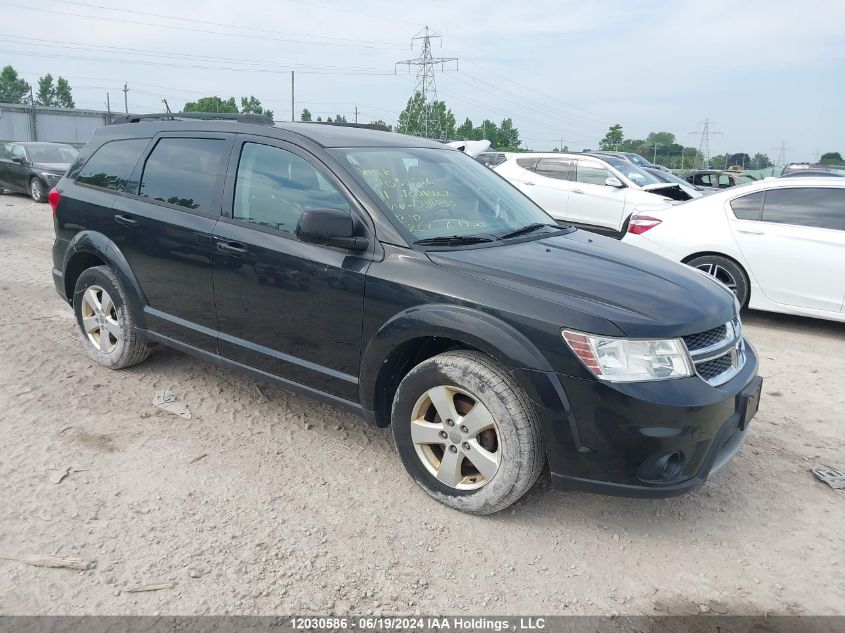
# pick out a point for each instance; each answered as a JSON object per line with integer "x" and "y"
{"x": 192, "y": 30}
{"x": 426, "y": 84}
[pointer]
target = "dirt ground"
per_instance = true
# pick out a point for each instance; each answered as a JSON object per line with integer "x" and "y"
{"x": 266, "y": 502}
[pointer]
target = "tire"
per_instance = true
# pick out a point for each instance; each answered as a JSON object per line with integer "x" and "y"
{"x": 37, "y": 190}
{"x": 727, "y": 271}
{"x": 108, "y": 331}
{"x": 510, "y": 459}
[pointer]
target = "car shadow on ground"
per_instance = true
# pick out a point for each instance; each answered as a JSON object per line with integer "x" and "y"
{"x": 793, "y": 323}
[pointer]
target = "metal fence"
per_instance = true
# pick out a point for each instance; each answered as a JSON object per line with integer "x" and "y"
{"x": 55, "y": 125}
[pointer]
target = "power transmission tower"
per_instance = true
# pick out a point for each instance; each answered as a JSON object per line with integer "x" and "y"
{"x": 703, "y": 156}
{"x": 428, "y": 125}
{"x": 781, "y": 157}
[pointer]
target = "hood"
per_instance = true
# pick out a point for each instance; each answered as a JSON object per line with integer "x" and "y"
{"x": 58, "y": 168}
{"x": 642, "y": 294}
{"x": 668, "y": 190}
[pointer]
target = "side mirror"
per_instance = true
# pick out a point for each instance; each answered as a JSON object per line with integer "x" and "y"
{"x": 333, "y": 227}
{"x": 613, "y": 181}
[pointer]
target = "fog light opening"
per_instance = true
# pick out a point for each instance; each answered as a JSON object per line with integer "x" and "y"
{"x": 671, "y": 465}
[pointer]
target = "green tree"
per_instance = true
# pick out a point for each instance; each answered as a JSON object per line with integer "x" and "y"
{"x": 13, "y": 89}
{"x": 212, "y": 104}
{"x": 508, "y": 136}
{"x": 465, "y": 131}
{"x": 46, "y": 93}
{"x": 64, "y": 98}
{"x": 383, "y": 124}
{"x": 613, "y": 138}
{"x": 759, "y": 161}
{"x": 251, "y": 105}
{"x": 305, "y": 116}
{"x": 831, "y": 158}
{"x": 488, "y": 131}
{"x": 340, "y": 119}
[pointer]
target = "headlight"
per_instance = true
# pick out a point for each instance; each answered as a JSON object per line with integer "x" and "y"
{"x": 630, "y": 360}
{"x": 45, "y": 174}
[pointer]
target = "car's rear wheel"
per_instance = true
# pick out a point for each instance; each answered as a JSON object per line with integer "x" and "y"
{"x": 105, "y": 321}
{"x": 727, "y": 272}
{"x": 467, "y": 433}
{"x": 37, "y": 190}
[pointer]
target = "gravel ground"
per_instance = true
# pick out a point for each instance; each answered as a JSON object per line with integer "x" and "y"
{"x": 266, "y": 502}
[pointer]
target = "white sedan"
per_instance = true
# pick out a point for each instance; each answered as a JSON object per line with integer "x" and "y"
{"x": 778, "y": 244}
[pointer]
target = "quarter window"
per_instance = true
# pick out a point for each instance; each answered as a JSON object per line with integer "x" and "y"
{"x": 592, "y": 173}
{"x": 111, "y": 165}
{"x": 186, "y": 172}
{"x": 748, "y": 207}
{"x": 554, "y": 168}
{"x": 274, "y": 186}
{"x": 725, "y": 181}
{"x": 821, "y": 207}
{"x": 527, "y": 163}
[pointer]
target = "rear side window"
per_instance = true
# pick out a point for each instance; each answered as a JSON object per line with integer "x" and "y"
{"x": 820, "y": 207}
{"x": 702, "y": 180}
{"x": 111, "y": 165}
{"x": 554, "y": 168}
{"x": 490, "y": 159}
{"x": 527, "y": 163}
{"x": 748, "y": 207}
{"x": 186, "y": 172}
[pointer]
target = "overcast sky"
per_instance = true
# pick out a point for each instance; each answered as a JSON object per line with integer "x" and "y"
{"x": 763, "y": 71}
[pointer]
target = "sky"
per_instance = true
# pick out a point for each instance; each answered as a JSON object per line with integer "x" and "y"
{"x": 764, "y": 73}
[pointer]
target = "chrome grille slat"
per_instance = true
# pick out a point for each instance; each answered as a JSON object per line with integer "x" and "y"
{"x": 717, "y": 354}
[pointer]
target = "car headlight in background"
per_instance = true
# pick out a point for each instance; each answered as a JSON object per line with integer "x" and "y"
{"x": 48, "y": 176}
{"x": 630, "y": 360}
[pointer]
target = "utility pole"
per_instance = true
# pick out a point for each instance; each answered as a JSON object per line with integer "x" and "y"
{"x": 654, "y": 147}
{"x": 292, "y": 107}
{"x": 125, "y": 98}
{"x": 108, "y": 109}
{"x": 356, "y": 114}
{"x": 683, "y": 149}
{"x": 426, "y": 85}
{"x": 32, "y": 122}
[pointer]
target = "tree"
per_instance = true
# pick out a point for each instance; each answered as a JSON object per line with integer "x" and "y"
{"x": 64, "y": 98}
{"x": 383, "y": 124}
{"x": 465, "y": 131}
{"x": 613, "y": 138}
{"x": 306, "y": 115}
{"x": 441, "y": 121}
{"x": 410, "y": 117}
{"x": 13, "y": 89}
{"x": 759, "y": 161}
{"x": 251, "y": 105}
{"x": 488, "y": 131}
{"x": 508, "y": 138}
{"x": 339, "y": 119}
{"x": 46, "y": 93}
{"x": 831, "y": 158}
{"x": 212, "y": 104}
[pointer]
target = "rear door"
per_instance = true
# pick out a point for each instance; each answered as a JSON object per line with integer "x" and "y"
{"x": 287, "y": 307}
{"x": 5, "y": 165}
{"x": 549, "y": 184}
{"x": 592, "y": 202}
{"x": 796, "y": 249}
{"x": 164, "y": 228}
{"x": 18, "y": 169}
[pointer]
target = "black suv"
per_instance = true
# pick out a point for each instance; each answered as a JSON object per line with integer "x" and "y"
{"x": 401, "y": 279}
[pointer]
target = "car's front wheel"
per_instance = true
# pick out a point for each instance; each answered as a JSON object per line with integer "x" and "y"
{"x": 37, "y": 190}
{"x": 467, "y": 433}
{"x": 106, "y": 325}
{"x": 726, "y": 271}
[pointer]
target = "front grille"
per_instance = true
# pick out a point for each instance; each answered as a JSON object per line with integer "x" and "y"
{"x": 706, "y": 339}
{"x": 717, "y": 354}
{"x": 709, "y": 369}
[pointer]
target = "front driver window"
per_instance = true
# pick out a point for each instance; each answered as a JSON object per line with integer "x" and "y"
{"x": 274, "y": 186}
{"x": 591, "y": 173}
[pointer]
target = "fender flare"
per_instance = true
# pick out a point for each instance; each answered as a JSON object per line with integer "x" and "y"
{"x": 99, "y": 245}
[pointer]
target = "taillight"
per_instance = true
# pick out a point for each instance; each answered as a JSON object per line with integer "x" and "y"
{"x": 53, "y": 197}
{"x": 639, "y": 224}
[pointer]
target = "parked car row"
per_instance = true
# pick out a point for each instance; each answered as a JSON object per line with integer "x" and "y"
{"x": 33, "y": 168}
{"x": 402, "y": 280}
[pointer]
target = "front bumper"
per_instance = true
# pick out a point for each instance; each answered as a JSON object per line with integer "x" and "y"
{"x": 654, "y": 439}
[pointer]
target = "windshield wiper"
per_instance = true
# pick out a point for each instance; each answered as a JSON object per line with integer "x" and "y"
{"x": 525, "y": 229}
{"x": 454, "y": 240}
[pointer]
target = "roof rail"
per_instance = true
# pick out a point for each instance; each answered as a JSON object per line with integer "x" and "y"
{"x": 256, "y": 119}
{"x": 365, "y": 126}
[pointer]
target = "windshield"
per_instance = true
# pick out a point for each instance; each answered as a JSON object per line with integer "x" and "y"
{"x": 668, "y": 176}
{"x": 441, "y": 193}
{"x": 638, "y": 160}
{"x": 631, "y": 172}
{"x": 51, "y": 153}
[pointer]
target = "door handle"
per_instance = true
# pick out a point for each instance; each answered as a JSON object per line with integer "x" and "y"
{"x": 127, "y": 220}
{"x": 231, "y": 248}
{"x": 748, "y": 232}
{"x": 577, "y": 191}
{"x": 530, "y": 184}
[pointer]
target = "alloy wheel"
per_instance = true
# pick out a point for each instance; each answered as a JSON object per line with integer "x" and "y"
{"x": 36, "y": 190}
{"x": 455, "y": 437}
{"x": 100, "y": 320}
{"x": 720, "y": 274}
